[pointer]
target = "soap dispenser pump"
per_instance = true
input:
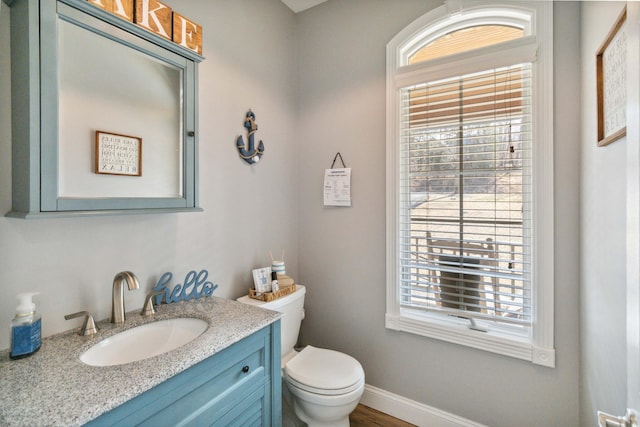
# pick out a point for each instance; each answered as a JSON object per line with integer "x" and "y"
{"x": 26, "y": 328}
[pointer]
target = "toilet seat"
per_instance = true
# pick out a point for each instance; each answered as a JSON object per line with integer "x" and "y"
{"x": 324, "y": 372}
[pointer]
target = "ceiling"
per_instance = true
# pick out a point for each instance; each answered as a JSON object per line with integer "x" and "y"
{"x": 300, "y": 5}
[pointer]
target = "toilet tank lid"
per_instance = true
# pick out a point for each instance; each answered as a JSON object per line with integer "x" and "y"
{"x": 324, "y": 369}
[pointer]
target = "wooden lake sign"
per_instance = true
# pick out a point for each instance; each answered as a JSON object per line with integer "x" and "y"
{"x": 158, "y": 18}
{"x": 187, "y": 33}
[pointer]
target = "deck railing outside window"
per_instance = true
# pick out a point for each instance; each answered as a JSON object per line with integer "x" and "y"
{"x": 483, "y": 276}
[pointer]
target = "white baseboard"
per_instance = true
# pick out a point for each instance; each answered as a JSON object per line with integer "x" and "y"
{"x": 411, "y": 411}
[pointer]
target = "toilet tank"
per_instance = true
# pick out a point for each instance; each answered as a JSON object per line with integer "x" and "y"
{"x": 292, "y": 307}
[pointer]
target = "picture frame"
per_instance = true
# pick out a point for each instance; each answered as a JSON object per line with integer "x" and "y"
{"x": 611, "y": 84}
{"x": 262, "y": 279}
{"x": 118, "y": 154}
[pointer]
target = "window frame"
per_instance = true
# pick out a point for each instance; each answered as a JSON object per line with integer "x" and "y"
{"x": 537, "y": 20}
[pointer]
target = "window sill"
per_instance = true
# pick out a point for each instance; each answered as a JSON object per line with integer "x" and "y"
{"x": 456, "y": 330}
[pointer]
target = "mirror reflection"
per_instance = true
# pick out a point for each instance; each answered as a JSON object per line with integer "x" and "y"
{"x": 107, "y": 86}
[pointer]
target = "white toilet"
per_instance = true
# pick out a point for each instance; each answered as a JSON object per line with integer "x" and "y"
{"x": 325, "y": 385}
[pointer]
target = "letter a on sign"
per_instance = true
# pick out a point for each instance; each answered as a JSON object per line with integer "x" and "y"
{"x": 122, "y": 8}
{"x": 155, "y": 17}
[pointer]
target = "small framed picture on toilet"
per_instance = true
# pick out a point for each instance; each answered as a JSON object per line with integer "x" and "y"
{"x": 262, "y": 279}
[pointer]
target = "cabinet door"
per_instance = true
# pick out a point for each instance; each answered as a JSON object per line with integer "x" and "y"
{"x": 224, "y": 394}
{"x": 234, "y": 384}
{"x": 250, "y": 412}
{"x": 70, "y": 57}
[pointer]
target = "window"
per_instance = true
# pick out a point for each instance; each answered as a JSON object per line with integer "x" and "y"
{"x": 466, "y": 39}
{"x": 470, "y": 190}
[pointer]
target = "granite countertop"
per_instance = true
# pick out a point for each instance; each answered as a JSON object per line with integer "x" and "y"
{"x": 54, "y": 388}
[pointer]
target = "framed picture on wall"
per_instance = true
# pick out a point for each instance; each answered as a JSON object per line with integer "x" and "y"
{"x": 611, "y": 80}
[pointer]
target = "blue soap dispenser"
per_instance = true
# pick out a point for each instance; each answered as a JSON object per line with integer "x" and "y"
{"x": 25, "y": 328}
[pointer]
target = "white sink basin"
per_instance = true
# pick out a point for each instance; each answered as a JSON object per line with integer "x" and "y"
{"x": 144, "y": 341}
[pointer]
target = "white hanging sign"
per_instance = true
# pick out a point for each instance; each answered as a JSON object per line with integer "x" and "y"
{"x": 337, "y": 187}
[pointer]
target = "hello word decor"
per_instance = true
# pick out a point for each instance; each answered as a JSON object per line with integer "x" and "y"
{"x": 195, "y": 286}
{"x": 158, "y": 18}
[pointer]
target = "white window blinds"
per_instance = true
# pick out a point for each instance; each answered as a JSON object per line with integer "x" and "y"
{"x": 465, "y": 190}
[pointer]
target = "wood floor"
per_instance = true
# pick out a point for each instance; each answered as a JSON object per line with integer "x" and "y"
{"x": 364, "y": 416}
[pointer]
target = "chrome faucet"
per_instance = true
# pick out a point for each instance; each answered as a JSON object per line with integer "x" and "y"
{"x": 117, "y": 302}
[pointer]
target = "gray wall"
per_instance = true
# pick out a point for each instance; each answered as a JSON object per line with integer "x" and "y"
{"x": 248, "y": 210}
{"x": 341, "y": 48}
{"x": 603, "y": 237}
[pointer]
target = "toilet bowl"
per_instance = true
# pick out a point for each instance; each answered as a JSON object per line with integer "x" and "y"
{"x": 325, "y": 385}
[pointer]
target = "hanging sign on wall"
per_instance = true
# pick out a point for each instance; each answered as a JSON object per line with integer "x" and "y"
{"x": 337, "y": 185}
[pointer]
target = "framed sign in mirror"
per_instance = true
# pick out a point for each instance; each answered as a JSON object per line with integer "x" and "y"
{"x": 118, "y": 154}
{"x": 611, "y": 82}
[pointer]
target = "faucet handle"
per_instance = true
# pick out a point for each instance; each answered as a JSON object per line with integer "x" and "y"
{"x": 88, "y": 327}
{"x": 147, "y": 309}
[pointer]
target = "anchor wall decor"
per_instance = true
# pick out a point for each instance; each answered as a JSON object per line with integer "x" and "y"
{"x": 251, "y": 154}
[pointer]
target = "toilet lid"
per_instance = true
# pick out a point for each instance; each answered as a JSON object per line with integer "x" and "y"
{"x": 324, "y": 371}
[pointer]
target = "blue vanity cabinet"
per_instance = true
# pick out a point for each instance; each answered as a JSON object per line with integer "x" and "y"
{"x": 239, "y": 386}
